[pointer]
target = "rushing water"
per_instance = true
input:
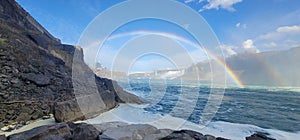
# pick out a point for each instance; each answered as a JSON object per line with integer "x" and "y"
{"x": 263, "y": 107}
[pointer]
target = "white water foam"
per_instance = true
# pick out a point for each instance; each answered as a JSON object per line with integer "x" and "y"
{"x": 133, "y": 114}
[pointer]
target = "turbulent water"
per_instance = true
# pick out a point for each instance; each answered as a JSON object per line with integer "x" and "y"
{"x": 276, "y": 109}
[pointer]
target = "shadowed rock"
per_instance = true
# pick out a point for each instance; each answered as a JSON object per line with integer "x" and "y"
{"x": 259, "y": 136}
{"x": 40, "y": 76}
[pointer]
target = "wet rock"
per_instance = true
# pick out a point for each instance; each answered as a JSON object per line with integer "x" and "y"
{"x": 259, "y": 136}
{"x": 189, "y": 135}
{"x": 219, "y": 138}
{"x": 178, "y": 135}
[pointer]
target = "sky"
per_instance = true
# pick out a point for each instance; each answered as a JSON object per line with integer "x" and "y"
{"x": 240, "y": 26}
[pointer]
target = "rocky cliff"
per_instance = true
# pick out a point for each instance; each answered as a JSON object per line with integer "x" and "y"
{"x": 36, "y": 73}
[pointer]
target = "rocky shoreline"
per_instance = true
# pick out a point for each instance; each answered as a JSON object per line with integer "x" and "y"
{"x": 113, "y": 131}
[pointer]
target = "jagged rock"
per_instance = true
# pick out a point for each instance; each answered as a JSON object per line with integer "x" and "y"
{"x": 188, "y": 135}
{"x": 36, "y": 73}
{"x": 130, "y": 132}
{"x": 67, "y": 111}
{"x": 84, "y": 132}
{"x": 178, "y": 135}
{"x": 159, "y": 134}
{"x": 259, "y": 136}
{"x": 60, "y": 131}
{"x": 43, "y": 132}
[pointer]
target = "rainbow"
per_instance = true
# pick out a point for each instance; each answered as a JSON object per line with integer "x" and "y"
{"x": 232, "y": 75}
{"x": 271, "y": 71}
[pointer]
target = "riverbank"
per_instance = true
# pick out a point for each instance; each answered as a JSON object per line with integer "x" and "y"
{"x": 131, "y": 118}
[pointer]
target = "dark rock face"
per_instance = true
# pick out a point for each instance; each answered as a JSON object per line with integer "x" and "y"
{"x": 84, "y": 132}
{"x": 60, "y": 131}
{"x": 36, "y": 75}
{"x": 188, "y": 135}
{"x": 14, "y": 14}
{"x": 259, "y": 136}
{"x": 67, "y": 111}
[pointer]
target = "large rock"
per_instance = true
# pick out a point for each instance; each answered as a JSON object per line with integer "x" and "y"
{"x": 59, "y": 131}
{"x": 130, "y": 132}
{"x": 159, "y": 134}
{"x": 189, "y": 135}
{"x": 84, "y": 131}
{"x": 259, "y": 136}
{"x": 67, "y": 111}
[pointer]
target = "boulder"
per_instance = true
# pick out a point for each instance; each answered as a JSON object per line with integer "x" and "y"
{"x": 159, "y": 134}
{"x": 259, "y": 136}
{"x": 80, "y": 131}
{"x": 178, "y": 135}
{"x": 129, "y": 132}
{"x": 67, "y": 111}
{"x": 84, "y": 131}
{"x": 189, "y": 135}
{"x": 58, "y": 131}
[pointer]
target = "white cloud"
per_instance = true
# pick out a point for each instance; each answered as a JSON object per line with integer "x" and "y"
{"x": 228, "y": 49}
{"x": 281, "y": 32}
{"x": 217, "y": 4}
{"x": 248, "y": 46}
{"x": 289, "y": 29}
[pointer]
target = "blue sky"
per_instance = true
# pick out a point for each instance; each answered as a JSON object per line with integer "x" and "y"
{"x": 240, "y": 25}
